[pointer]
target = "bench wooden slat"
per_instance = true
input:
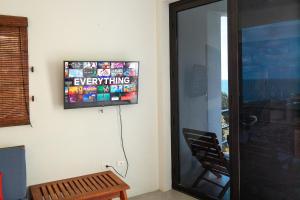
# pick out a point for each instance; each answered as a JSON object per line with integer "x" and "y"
{"x": 112, "y": 183}
{"x": 89, "y": 184}
{"x": 52, "y": 194}
{"x": 74, "y": 187}
{"x": 84, "y": 185}
{"x": 95, "y": 183}
{"x": 99, "y": 181}
{"x": 57, "y": 191}
{"x": 79, "y": 186}
{"x": 62, "y": 189}
{"x": 104, "y": 185}
{"x": 69, "y": 189}
{"x": 115, "y": 178}
{"x": 36, "y": 193}
{"x": 104, "y": 181}
{"x": 45, "y": 193}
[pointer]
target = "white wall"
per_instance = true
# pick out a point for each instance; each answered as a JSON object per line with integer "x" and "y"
{"x": 65, "y": 143}
{"x": 164, "y": 117}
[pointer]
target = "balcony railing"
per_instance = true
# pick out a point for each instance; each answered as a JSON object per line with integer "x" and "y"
{"x": 225, "y": 129}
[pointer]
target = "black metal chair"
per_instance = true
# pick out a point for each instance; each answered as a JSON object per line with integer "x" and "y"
{"x": 206, "y": 149}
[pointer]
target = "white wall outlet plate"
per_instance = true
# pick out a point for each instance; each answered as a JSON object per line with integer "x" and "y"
{"x": 121, "y": 163}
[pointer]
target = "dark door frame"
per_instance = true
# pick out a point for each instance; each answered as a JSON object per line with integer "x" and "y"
{"x": 233, "y": 74}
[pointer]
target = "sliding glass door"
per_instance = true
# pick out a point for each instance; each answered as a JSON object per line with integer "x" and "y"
{"x": 264, "y": 95}
{"x": 199, "y": 84}
{"x": 269, "y": 99}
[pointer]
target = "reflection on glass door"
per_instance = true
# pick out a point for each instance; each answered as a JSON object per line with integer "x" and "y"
{"x": 270, "y": 100}
{"x": 202, "y": 80}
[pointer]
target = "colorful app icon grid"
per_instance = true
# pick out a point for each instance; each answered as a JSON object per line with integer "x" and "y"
{"x": 100, "y": 81}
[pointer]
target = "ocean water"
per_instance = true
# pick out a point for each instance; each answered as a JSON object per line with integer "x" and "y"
{"x": 224, "y": 86}
{"x": 271, "y": 62}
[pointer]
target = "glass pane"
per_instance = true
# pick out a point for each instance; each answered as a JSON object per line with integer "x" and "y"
{"x": 270, "y": 99}
{"x": 203, "y": 88}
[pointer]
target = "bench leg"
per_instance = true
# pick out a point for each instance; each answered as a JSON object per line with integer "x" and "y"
{"x": 123, "y": 195}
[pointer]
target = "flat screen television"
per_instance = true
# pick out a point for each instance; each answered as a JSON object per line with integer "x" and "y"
{"x": 100, "y": 83}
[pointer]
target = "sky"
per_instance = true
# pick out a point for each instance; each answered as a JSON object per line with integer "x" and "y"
{"x": 224, "y": 49}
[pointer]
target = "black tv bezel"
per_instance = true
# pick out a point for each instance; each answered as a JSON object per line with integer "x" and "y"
{"x": 99, "y": 104}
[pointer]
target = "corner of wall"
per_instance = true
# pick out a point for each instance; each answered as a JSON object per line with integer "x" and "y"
{"x": 163, "y": 89}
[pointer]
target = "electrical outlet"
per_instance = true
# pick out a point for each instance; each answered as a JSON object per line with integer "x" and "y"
{"x": 104, "y": 164}
{"x": 121, "y": 163}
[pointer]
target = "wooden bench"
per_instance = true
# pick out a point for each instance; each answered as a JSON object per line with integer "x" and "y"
{"x": 100, "y": 186}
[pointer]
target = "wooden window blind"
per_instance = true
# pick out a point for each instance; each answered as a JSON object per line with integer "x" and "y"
{"x": 14, "y": 82}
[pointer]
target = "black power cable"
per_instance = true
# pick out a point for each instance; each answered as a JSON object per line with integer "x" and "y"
{"x": 123, "y": 148}
{"x": 109, "y": 166}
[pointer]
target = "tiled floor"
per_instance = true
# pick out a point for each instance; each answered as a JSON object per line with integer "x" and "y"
{"x": 170, "y": 195}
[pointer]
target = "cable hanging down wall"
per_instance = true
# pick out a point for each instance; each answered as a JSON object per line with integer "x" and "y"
{"x": 123, "y": 147}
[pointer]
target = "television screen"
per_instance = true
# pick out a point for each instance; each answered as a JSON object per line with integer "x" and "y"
{"x": 100, "y": 83}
